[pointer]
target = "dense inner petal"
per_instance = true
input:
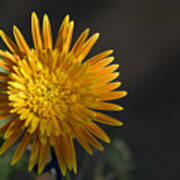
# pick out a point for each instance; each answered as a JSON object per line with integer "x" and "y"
{"x": 50, "y": 99}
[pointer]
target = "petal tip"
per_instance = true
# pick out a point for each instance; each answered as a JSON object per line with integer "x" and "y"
{"x": 101, "y": 148}
{"x": 111, "y": 51}
{"x": 87, "y": 30}
{"x": 39, "y": 171}
{"x": 13, "y": 162}
{"x": 67, "y": 17}
{"x": 1, "y": 32}
{"x": 97, "y": 35}
{"x": 117, "y": 74}
{"x": 15, "y": 28}
{"x": 30, "y": 169}
{"x": 34, "y": 16}
{"x": 119, "y": 123}
{"x": 125, "y": 93}
{"x": 120, "y": 108}
{"x": 108, "y": 140}
{"x": 46, "y": 18}
{"x": 91, "y": 153}
{"x": 71, "y": 23}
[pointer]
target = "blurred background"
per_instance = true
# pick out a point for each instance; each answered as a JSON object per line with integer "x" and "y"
{"x": 146, "y": 38}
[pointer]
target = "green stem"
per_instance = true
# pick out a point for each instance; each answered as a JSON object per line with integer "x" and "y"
{"x": 67, "y": 177}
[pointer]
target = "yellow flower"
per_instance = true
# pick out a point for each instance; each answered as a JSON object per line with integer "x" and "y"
{"x": 51, "y": 93}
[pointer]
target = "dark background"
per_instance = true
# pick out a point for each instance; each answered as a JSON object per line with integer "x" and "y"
{"x": 145, "y": 35}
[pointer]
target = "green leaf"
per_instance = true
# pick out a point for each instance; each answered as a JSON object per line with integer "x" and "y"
{"x": 3, "y": 70}
{"x": 4, "y": 121}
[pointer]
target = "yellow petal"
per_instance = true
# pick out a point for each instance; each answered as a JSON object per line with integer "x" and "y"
{"x": 56, "y": 56}
{"x": 34, "y": 153}
{"x": 62, "y": 32}
{"x": 59, "y": 154}
{"x": 47, "y": 34}
{"x": 79, "y": 43}
{"x": 16, "y": 69}
{"x": 69, "y": 35}
{"x": 87, "y": 46}
{"x": 102, "y": 118}
{"x": 93, "y": 128}
{"x": 112, "y": 95}
{"x": 82, "y": 73}
{"x": 4, "y": 65}
{"x": 66, "y": 150}
{"x": 82, "y": 141}
{"x": 100, "y": 64}
{"x": 99, "y": 57}
{"x": 29, "y": 119}
{"x": 32, "y": 62}
{"x": 107, "y": 70}
{"x": 44, "y": 155}
{"x": 106, "y": 106}
{"x": 36, "y": 33}
{"x": 10, "y": 141}
{"x": 55, "y": 125}
{"x": 21, "y": 148}
{"x": 108, "y": 78}
{"x": 25, "y": 68}
{"x": 108, "y": 87}
{"x": 20, "y": 40}
{"x": 9, "y": 58}
{"x": 17, "y": 85}
{"x": 72, "y": 154}
{"x": 17, "y": 78}
{"x": 34, "y": 124}
{"x": 13, "y": 127}
{"x": 10, "y": 44}
{"x": 91, "y": 139}
{"x": 86, "y": 112}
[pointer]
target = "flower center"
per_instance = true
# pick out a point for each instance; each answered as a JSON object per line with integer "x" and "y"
{"x": 46, "y": 94}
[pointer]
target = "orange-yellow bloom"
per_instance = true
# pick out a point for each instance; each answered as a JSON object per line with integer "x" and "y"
{"x": 51, "y": 92}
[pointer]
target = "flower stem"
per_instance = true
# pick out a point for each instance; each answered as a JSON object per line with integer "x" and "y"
{"x": 67, "y": 177}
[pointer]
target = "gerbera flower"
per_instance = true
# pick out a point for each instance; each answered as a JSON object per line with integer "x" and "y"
{"x": 51, "y": 94}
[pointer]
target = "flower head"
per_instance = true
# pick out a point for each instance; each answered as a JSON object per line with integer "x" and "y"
{"x": 51, "y": 94}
